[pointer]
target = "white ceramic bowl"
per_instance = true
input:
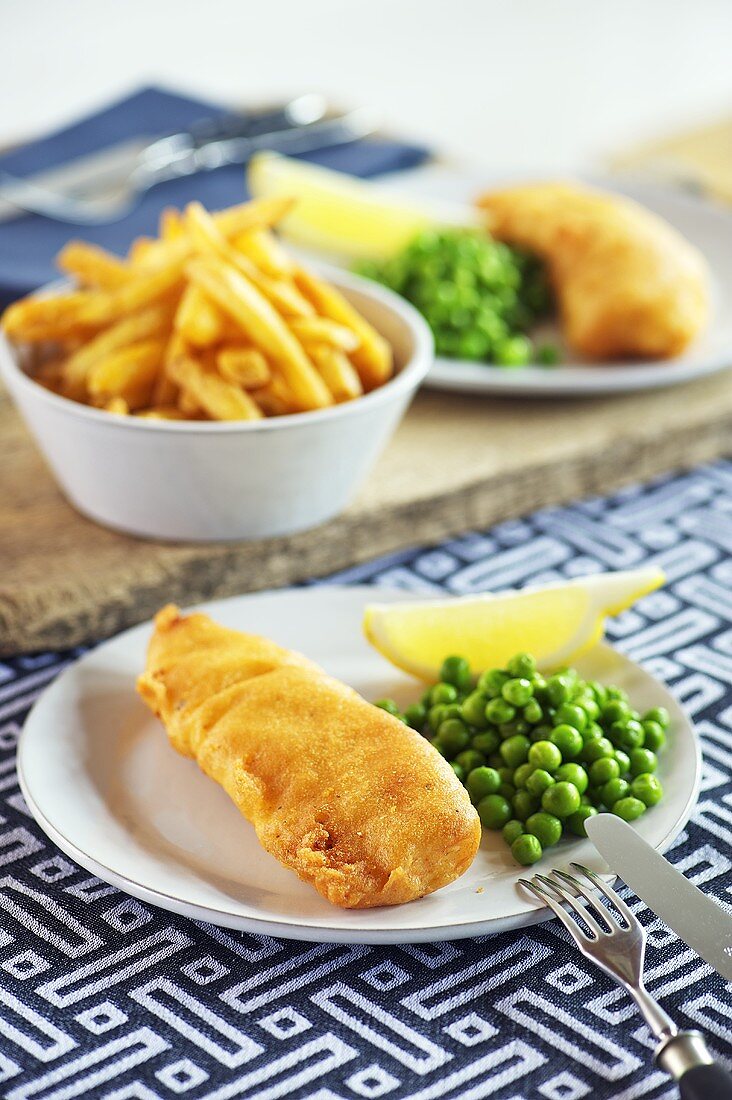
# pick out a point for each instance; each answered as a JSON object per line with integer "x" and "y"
{"x": 204, "y": 481}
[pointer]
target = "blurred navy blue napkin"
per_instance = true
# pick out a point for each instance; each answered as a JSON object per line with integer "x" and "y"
{"x": 28, "y": 244}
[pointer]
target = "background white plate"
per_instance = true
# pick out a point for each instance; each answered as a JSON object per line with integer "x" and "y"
{"x": 102, "y": 780}
{"x": 706, "y": 225}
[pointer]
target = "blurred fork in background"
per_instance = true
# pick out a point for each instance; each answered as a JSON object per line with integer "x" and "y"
{"x": 103, "y": 187}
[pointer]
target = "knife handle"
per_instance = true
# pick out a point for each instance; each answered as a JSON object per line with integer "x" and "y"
{"x": 686, "y": 1058}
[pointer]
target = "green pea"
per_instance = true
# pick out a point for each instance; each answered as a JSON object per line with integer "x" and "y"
{"x": 655, "y": 738}
{"x": 642, "y": 760}
{"x": 598, "y": 690}
{"x": 571, "y": 715}
{"x": 540, "y": 733}
{"x": 596, "y": 750}
{"x": 558, "y": 690}
{"x": 517, "y": 692}
{"x": 444, "y": 693}
{"x": 515, "y": 750}
{"x": 546, "y": 755}
{"x": 510, "y": 729}
{"x": 491, "y": 682}
{"x": 494, "y": 811}
{"x": 591, "y": 709}
{"x": 511, "y": 830}
{"x": 629, "y": 808}
{"x": 575, "y": 774}
{"x": 592, "y": 732}
{"x": 546, "y": 827}
{"x": 614, "y": 710}
{"x": 389, "y": 706}
{"x": 439, "y": 747}
{"x": 576, "y": 821}
{"x": 473, "y": 710}
{"x": 623, "y": 761}
{"x": 548, "y": 355}
{"x": 612, "y": 692}
{"x": 568, "y": 740}
{"x": 506, "y": 772}
{"x": 456, "y": 671}
{"x": 626, "y": 735}
{"x": 499, "y": 711}
{"x": 532, "y": 712}
{"x": 458, "y": 769}
{"x": 416, "y": 716}
{"x": 603, "y": 770}
{"x": 469, "y": 760}
{"x": 514, "y": 351}
{"x": 508, "y": 790}
{"x": 614, "y": 790}
{"x": 522, "y": 773}
{"x": 522, "y": 666}
{"x": 539, "y": 781}
{"x": 436, "y": 716}
{"x": 451, "y": 710}
{"x": 524, "y": 805}
{"x": 481, "y": 782}
{"x": 526, "y": 850}
{"x": 454, "y": 735}
{"x": 659, "y": 715}
{"x": 561, "y": 800}
{"x": 647, "y": 788}
{"x": 486, "y": 742}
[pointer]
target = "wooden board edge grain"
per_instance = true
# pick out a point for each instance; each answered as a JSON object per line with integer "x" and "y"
{"x": 86, "y": 610}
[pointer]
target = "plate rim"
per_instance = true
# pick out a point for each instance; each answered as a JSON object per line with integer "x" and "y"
{"x": 287, "y": 929}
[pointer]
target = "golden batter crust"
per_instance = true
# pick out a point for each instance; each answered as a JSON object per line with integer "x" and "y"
{"x": 627, "y": 283}
{"x": 344, "y": 794}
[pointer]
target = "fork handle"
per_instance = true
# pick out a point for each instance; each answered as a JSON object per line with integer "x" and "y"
{"x": 709, "y": 1082}
{"x": 686, "y": 1057}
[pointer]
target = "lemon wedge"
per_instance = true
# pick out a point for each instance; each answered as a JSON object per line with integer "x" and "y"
{"x": 343, "y": 216}
{"x": 554, "y": 623}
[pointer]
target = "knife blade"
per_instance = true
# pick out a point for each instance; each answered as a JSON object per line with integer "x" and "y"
{"x": 694, "y": 917}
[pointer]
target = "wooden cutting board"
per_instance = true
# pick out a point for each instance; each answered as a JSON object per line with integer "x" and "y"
{"x": 455, "y": 464}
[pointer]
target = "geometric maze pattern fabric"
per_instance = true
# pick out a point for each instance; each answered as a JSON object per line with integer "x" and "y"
{"x": 101, "y": 996}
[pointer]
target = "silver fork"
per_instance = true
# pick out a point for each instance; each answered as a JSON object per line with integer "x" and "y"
{"x": 618, "y": 946}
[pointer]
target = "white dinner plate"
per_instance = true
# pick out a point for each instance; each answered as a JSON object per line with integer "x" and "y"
{"x": 101, "y": 779}
{"x": 705, "y": 224}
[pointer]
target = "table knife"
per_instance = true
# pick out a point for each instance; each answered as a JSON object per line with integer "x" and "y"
{"x": 697, "y": 919}
{"x": 102, "y": 187}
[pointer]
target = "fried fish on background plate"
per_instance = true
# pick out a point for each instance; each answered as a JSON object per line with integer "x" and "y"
{"x": 627, "y": 283}
{"x": 344, "y": 794}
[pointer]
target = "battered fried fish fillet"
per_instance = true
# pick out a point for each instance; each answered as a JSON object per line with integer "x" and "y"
{"x": 355, "y": 802}
{"x": 627, "y": 283}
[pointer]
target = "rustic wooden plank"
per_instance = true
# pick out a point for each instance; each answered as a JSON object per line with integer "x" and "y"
{"x": 456, "y": 463}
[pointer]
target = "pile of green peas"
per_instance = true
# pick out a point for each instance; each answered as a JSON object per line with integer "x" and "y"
{"x": 478, "y": 296}
{"x": 540, "y": 755}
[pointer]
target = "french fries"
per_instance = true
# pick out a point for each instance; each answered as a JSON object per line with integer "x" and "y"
{"x": 211, "y": 320}
{"x": 93, "y": 266}
{"x": 245, "y": 367}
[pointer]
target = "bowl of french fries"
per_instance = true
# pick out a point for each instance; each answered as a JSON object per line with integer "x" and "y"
{"x": 208, "y": 385}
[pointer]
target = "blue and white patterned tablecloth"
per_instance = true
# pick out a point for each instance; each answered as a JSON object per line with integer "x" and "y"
{"x": 101, "y": 996}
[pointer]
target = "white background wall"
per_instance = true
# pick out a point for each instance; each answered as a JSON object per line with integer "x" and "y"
{"x": 513, "y": 83}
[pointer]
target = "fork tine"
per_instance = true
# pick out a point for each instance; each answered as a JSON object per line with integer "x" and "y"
{"x": 544, "y": 896}
{"x": 574, "y": 905}
{"x": 589, "y": 897}
{"x": 613, "y": 897}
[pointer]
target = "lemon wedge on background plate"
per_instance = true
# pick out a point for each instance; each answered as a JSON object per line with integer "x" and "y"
{"x": 344, "y": 216}
{"x": 554, "y": 623}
